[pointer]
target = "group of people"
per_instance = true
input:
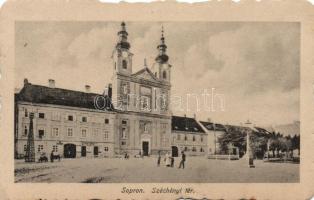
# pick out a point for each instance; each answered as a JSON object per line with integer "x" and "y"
{"x": 169, "y": 160}
{"x": 54, "y": 155}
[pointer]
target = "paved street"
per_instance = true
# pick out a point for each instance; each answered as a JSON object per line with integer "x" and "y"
{"x": 117, "y": 170}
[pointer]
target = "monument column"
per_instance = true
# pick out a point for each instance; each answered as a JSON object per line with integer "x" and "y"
{"x": 30, "y": 148}
{"x": 249, "y": 152}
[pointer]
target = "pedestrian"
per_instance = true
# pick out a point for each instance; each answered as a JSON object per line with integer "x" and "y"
{"x": 182, "y": 160}
{"x": 158, "y": 159}
{"x": 51, "y": 156}
{"x": 172, "y": 161}
{"x": 168, "y": 162}
{"x": 125, "y": 155}
{"x": 141, "y": 156}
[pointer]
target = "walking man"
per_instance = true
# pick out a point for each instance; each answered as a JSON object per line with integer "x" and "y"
{"x": 172, "y": 161}
{"x": 158, "y": 159}
{"x": 182, "y": 160}
{"x": 51, "y": 156}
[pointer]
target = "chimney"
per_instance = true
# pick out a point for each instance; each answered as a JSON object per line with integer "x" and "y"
{"x": 194, "y": 115}
{"x": 25, "y": 81}
{"x": 51, "y": 83}
{"x": 185, "y": 115}
{"x": 209, "y": 120}
{"x": 110, "y": 91}
{"x": 87, "y": 88}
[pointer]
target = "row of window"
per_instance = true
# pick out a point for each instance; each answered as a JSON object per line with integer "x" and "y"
{"x": 193, "y": 149}
{"x": 40, "y": 148}
{"x": 186, "y": 138}
{"x": 56, "y": 133}
{"x": 56, "y": 116}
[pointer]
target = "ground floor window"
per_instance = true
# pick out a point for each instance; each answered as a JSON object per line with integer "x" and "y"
{"x": 55, "y": 148}
{"x": 123, "y": 143}
{"x": 201, "y": 150}
{"x": 106, "y": 149}
{"x": 25, "y": 147}
{"x": 40, "y": 148}
{"x": 194, "y": 149}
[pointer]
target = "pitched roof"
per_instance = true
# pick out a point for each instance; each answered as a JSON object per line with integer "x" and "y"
{"x": 261, "y": 130}
{"x": 147, "y": 70}
{"x": 286, "y": 129}
{"x": 57, "y": 96}
{"x": 212, "y": 126}
{"x": 238, "y": 128}
{"x": 186, "y": 124}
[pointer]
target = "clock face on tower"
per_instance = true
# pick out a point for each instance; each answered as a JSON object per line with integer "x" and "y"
{"x": 124, "y": 54}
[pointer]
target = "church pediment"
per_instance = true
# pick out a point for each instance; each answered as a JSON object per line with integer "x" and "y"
{"x": 145, "y": 74}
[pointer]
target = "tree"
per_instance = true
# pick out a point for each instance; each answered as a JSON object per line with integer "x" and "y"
{"x": 235, "y": 137}
{"x": 296, "y": 143}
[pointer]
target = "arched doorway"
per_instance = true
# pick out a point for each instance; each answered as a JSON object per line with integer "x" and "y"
{"x": 174, "y": 151}
{"x": 83, "y": 151}
{"x": 145, "y": 148}
{"x": 95, "y": 150}
{"x": 69, "y": 151}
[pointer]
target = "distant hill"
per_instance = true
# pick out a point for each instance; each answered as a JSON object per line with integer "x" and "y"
{"x": 286, "y": 129}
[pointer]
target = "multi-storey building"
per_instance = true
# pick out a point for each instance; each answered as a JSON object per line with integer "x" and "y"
{"x": 188, "y": 136}
{"x": 214, "y": 132}
{"x": 65, "y": 121}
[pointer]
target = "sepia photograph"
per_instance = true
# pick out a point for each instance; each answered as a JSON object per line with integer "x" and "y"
{"x": 156, "y": 102}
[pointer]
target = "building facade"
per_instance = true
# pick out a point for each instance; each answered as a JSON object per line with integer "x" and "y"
{"x": 141, "y": 100}
{"x": 188, "y": 136}
{"x": 65, "y": 121}
{"x": 214, "y": 132}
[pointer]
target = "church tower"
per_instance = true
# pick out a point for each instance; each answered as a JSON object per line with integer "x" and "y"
{"x": 122, "y": 57}
{"x": 122, "y": 67}
{"x": 161, "y": 67}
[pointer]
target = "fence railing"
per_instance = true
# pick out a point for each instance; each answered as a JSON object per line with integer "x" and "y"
{"x": 223, "y": 157}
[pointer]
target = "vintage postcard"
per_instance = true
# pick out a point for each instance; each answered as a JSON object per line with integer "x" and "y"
{"x": 157, "y": 101}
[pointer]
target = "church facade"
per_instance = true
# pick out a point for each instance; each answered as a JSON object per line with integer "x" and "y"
{"x": 135, "y": 116}
{"x": 141, "y": 100}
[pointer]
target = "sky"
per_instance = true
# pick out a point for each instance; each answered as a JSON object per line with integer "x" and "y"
{"x": 252, "y": 67}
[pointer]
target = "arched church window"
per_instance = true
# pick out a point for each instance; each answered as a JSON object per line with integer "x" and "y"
{"x": 164, "y": 74}
{"x": 25, "y": 131}
{"x": 145, "y": 128}
{"x": 124, "y": 64}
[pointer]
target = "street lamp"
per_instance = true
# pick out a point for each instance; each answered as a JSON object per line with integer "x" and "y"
{"x": 249, "y": 152}
{"x": 215, "y": 139}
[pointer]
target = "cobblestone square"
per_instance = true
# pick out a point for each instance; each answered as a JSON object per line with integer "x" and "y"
{"x": 138, "y": 170}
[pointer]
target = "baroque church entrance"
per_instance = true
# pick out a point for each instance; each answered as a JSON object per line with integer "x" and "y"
{"x": 145, "y": 148}
{"x": 174, "y": 151}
